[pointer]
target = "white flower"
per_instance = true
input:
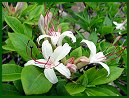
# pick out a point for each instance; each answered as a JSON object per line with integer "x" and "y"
{"x": 51, "y": 61}
{"x": 120, "y": 26}
{"x": 56, "y": 37}
{"x": 96, "y": 57}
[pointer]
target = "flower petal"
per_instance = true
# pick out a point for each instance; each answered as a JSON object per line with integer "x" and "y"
{"x": 64, "y": 34}
{"x": 46, "y": 49}
{"x": 106, "y": 67}
{"x": 50, "y": 75}
{"x": 60, "y": 52}
{"x": 54, "y": 40}
{"x": 91, "y": 46}
{"x": 99, "y": 57}
{"x": 63, "y": 70}
{"x": 41, "y": 37}
{"x": 41, "y": 23}
{"x": 115, "y": 23}
{"x": 32, "y": 62}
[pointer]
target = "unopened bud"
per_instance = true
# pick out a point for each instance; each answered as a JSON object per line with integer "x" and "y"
{"x": 19, "y": 6}
{"x": 5, "y": 4}
{"x": 72, "y": 67}
{"x": 82, "y": 61}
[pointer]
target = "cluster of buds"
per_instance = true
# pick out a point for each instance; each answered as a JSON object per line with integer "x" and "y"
{"x": 13, "y": 10}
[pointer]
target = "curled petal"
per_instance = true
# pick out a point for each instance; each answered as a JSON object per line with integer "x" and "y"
{"x": 41, "y": 37}
{"x": 32, "y": 62}
{"x": 99, "y": 57}
{"x": 50, "y": 75}
{"x": 91, "y": 46}
{"x": 60, "y": 52}
{"x": 63, "y": 70}
{"x": 46, "y": 49}
{"x": 106, "y": 67}
{"x": 64, "y": 34}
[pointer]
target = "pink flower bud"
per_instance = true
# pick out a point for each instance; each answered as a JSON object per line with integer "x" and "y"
{"x": 72, "y": 67}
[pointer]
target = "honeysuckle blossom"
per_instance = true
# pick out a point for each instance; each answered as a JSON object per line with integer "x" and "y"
{"x": 51, "y": 61}
{"x": 96, "y": 57}
{"x": 57, "y": 37}
{"x": 120, "y": 26}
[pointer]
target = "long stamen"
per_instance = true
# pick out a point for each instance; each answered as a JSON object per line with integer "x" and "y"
{"x": 31, "y": 47}
{"x": 47, "y": 62}
{"x": 120, "y": 51}
{"x": 110, "y": 52}
{"x": 26, "y": 46}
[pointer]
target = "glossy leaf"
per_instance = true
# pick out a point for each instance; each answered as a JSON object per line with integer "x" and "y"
{"x": 105, "y": 90}
{"x": 9, "y": 46}
{"x": 34, "y": 81}
{"x": 98, "y": 77}
{"x": 11, "y": 72}
{"x": 28, "y": 30}
{"x": 76, "y": 52}
{"x": 74, "y": 88}
{"x": 15, "y": 24}
{"x": 21, "y": 45}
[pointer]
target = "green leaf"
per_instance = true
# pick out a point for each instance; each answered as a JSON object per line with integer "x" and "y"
{"x": 63, "y": 26}
{"x": 9, "y": 46}
{"x": 28, "y": 30}
{"x": 107, "y": 22}
{"x": 28, "y": 9}
{"x": 100, "y": 77}
{"x": 76, "y": 52}
{"x": 19, "y": 42}
{"x": 93, "y": 37}
{"x": 107, "y": 30}
{"x": 18, "y": 86}
{"x": 36, "y": 12}
{"x": 11, "y": 72}
{"x": 15, "y": 24}
{"x": 74, "y": 88}
{"x": 104, "y": 90}
{"x": 34, "y": 81}
{"x": 83, "y": 80}
{"x": 9, "y": 90}
{"x": 80, "y": 35}
{"x": 60, "y": 88}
